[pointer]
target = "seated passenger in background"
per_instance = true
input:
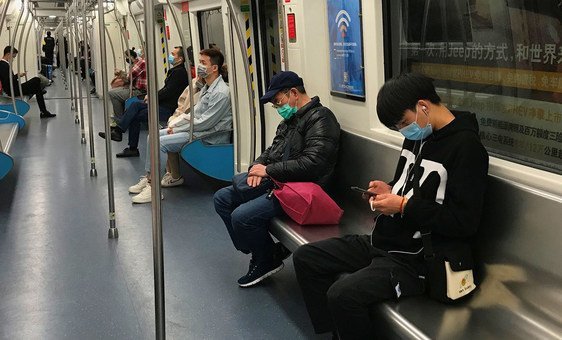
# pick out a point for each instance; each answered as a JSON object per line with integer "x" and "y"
{"x": 119, "y": 91}
{"x": 438, "y": 188}
{"x": 212, "y": 114}
{"x": 29, "y": 88}
{"x": 304, "y": 150}
{"x": 176, "y": 81}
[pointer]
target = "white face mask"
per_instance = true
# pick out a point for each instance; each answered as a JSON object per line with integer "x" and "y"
{"x": 202, "y": 71}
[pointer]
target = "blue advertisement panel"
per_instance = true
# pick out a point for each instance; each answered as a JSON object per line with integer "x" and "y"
{"x": 346, "y": 49}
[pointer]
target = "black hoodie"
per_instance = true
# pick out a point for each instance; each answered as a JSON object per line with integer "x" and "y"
{"x": 445, "y": 190}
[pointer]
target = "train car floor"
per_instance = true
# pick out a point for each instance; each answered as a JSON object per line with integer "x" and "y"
{"x": 62, "y": 278}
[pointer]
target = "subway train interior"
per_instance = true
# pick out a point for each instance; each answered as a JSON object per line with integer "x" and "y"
{"x": 95, "y": 92}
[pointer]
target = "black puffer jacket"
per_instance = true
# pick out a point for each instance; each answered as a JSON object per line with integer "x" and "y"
{"x": 313, "y": 133}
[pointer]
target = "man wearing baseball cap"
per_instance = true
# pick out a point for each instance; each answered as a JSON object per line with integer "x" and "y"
{"x": 304, "y": 149}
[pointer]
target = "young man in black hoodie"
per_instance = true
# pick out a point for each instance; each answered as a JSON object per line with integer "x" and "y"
{"x": 438, "y": 189}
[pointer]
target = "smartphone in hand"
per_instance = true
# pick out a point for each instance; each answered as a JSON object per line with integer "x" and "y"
{"x": 363, "y": 191}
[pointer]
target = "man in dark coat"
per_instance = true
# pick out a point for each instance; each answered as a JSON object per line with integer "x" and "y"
{"x": 304, "y": 150}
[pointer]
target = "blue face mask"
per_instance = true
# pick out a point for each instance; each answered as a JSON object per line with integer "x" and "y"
{"x": 415, "y": 132}
{"x": 286, "y": 111}
{"x": 171, "y": 59}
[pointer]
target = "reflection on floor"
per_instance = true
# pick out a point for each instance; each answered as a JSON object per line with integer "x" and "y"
{"x": 62, "y": 278}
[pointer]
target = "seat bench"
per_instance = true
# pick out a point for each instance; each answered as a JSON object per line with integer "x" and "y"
{"x": 10, "y": 124}
{"x": 517, "y": 246}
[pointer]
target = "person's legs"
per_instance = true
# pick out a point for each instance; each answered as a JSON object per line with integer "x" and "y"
{"x": 161, "y": 133}
{"x": 118, "y": 96}
{"x": 33, "y": 87}
{"x": 141, "y": 115}
{"x": 343, "y": 304}
{"x": 317, "y": 266}
{"x": 173, "y": 164}
{"x": 350, "y": 298}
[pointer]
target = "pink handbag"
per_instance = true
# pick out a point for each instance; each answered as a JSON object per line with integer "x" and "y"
{"x": 307, "y": 203}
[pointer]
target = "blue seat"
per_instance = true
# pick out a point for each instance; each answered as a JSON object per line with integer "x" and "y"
{"x": 10, "y": 124}
{"x": 213, "y": 160}
{"x": 21, "y": 106}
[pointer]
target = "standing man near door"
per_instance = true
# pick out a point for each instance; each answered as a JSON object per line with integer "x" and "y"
{"x": 49, "y": 48}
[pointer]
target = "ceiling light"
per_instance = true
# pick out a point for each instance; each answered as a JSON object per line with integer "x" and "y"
{"x": 52, "y": 16}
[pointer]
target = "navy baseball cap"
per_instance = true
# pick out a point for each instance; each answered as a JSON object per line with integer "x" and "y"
{"x": 280, "y": 81}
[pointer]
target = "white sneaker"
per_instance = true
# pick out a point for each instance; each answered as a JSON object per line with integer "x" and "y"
{"x": 168, "y": 182}
{"x": 137, "y": 188}
{"x": 145, "y": 195}
{"x": 166, "y": 176}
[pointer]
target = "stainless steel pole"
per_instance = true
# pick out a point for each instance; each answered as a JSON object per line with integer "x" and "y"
{"x": 78, "y": 76}
{"x": 188, "y": 67}
{"x": 27, "y": 39}
{"x": 113, "y": 232}
{"x": 251, "y": 94}
{"x": 72, "y": 52}
{"x": 3, "y": 13}
{"x": 12, "y": 72}
{"x": 19, "y": 44}
{"x": 124, "y": 38}
{"x": 93, "y": 171}
{"x": 70, "y": 67}
{"x": 12, "y": 42}
{"x": 157, "y": 246}
{"x": 236, "y": 111}
{"x": 137, "y": 27}
{"x": 111, "y": 45}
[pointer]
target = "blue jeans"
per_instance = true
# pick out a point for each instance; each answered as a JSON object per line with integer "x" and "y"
{"x": 168, "y": 143}
{"x": 248, "y": 221}
{"x": 134, "y": 115}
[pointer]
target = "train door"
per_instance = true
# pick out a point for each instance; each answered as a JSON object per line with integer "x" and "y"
{"x": 268, "y": 24}
{"x": 211, "y": 30}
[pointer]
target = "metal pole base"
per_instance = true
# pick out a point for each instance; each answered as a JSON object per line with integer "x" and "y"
{"x": 83, "y": 140}
{"x": 113, "y": 233}
{"x": 76, "y": 120}
{"x": 93, "y": 173}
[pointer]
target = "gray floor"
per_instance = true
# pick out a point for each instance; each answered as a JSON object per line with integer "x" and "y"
{"x": 61, "y": 278}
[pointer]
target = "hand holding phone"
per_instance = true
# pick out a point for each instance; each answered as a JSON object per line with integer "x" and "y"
{"x": 364, "y": 191}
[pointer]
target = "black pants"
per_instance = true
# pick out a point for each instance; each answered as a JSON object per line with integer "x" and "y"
{"x": 30, "y": 88}
{"x": 343, "y": 304}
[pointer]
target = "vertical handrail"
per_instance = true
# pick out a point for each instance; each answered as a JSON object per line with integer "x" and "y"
{"x": 122, "y": 35}
{"x": 123, "y": 31}
{"x": 70, "y": 69}
{"x": 137, "y": 27}
{"x": 157, "y": 246}
{"x": 78, "y": 81}
{"x": 186, "y": 62}
{"x": 19, "y": 44}
{"x": 11, "y": 72}
{"x": 12, "y": 42}
{"x": 111, "y": 45}
{"x": 93, "y": 171}
{"x": 233, "y": 80}
{"x": 27, "y": 39}
{"x": 251, "y": 94}
{"x": 72, "y": 54}
{"x": 3, "y": 13}
{"x": 113, "y": 232}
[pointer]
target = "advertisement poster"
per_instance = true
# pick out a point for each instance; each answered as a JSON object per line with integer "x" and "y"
{"x": 346, "y": 49}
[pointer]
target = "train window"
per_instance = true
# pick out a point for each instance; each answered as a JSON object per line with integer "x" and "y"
{"x": 499, "y": 59}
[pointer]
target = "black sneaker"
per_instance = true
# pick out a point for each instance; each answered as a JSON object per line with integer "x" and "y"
{"x": 116, "y": 135}
{"x": 128, "y": 152}
{"x": 47, "y": 114}
{"x": 280, "y": 252}
{"x": 259, "y": 271}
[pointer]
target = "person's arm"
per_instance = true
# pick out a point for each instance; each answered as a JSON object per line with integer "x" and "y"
{"x": 460, "y": 213}
{"x": 321, "y": 144}
{"x": 218, "y": 108}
